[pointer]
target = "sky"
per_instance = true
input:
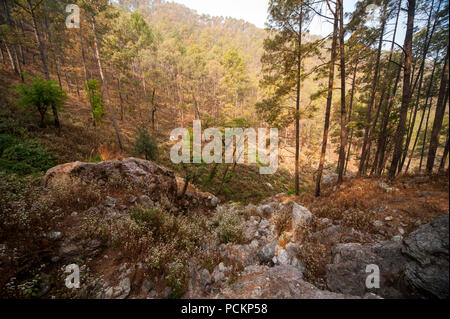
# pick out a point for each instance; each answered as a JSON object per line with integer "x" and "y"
{"x": 255, "y": 11}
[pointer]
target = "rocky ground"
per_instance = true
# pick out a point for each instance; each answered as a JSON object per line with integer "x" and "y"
{"x": 134, "y": 237}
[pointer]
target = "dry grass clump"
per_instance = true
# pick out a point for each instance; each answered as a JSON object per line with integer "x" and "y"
{"x": 252, "y": 210}
{"x": 357, "y": 219}
{"x": 29, "y": 210}
{"x": 314, "y": 256}
{"x": 283, "y": 220}
{"x": 229, "y": 227}
{"x": 166, "y": 243}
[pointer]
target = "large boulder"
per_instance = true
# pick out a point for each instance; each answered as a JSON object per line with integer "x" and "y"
{"x": 417, "y": 267}
{"x": 144, "y": 176}
{"x": 348, "y": 272}
{"x": 301, "y": 216}
{"x": 427, "y": 268}
{"x": 280, "y": 282}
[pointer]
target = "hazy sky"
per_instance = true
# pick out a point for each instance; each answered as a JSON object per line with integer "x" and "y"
{"x": 255, "y": 11}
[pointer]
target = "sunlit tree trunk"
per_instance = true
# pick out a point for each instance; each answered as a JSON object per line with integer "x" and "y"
{"x": 105, "y": 85}
{"x": 344, "y": 133}
{"x": 440, "y": 111}
{"x": 328, "y": 106}
{"x": 370, "y": 126}
{"x": 297, "y": 104}
{"x": 399, "y": 136}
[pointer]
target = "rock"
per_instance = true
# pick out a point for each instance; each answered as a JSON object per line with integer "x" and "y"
{"x": 384, "y": 186}
{"x": 389, "y": 219}
{"x": 94, "y": 244}
{"x": 401, "y": 231}
{"x": 125, "y": 288}
{"x": 147, "y": 285}
{"x": 323, "y": 222}
{"x": 380, "y": 210}
{"x": 222, "y": 267}
{"x": 132, "y": 199}
{"x": 214, "y": 201}
{"x": 56, "y": 235}
{"x": 146, "y": 201}
{"x": 337, "y": 234}
{"x": 427, "y": 251}
{"x": 280, "y": 282}
{"x": 378, "y": 223}
{"x": 264, "y": 224}
{"x": 166, "y": 293}
{"x": 205, "y": 278}
{"x": 267, "y": 253}
{"x": 348, "y": 275}
{"x": 44, "y": 287}
{"x": 254, "y": 244}
{"x": 283, "y": 257}
{"x": 416, "y": 267}
{"x": 218, "y": 275}
{"x": 266, "y": 211}
{"x": 134, "y": 172}
{"x": 109, "y": 293}
{"x": 301, "y": 216}
{"x": 69, "y": 250}
{"x": 425, "y": 194}
{"x": 330, "y": 179}
{"x": 111, "y": 202}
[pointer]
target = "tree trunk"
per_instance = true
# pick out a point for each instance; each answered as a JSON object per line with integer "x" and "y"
{"x": 57, "y": 72}
{"x": 344, "y": 134}
{"x": 444, "y": 157}
{"x": 8, "y": 49}
{"x": 382, "y": 140}
{"x": 153, "y": 111}
{"x": 425, "y": 135}
{"x": 105, "y": 85}
{"x": 428, "y": 35}
{"x": 43, "y": 56}
{"x": 3, "y": 55}
{"x": 398, "y": 148}
{"x": 119, "y": 88}
{"x": 369, "y": 128}
{"x": 86, "y": 77}
{"x": 328, "y": 107}
{"x": 423, "y": 116}
{"x": 77, "y": 85}
{"x": 387, "y": 84}
{"x": 297, "y": 104}
{"x": 440, "y": 111}
{"x": 350, "y": 110}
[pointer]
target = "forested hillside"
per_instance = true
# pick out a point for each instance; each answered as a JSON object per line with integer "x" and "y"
{"x": 363, "y": 131}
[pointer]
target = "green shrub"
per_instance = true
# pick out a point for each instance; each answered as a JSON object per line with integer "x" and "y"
{"x": 176, "y": 279}
{"x": 40, "y": 95}
{"x": 26, "y": 158}
{"x": 146, "y": 145}
{"x": 7, "y": 141}
{"x": 94, "y": 96}
{"x": 159, "y": 222}
{"x": 230, "y": 228}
